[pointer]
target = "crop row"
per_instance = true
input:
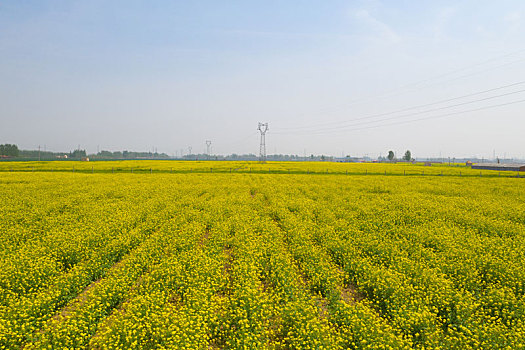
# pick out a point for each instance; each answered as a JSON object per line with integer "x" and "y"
{"x": 215, "y": 261}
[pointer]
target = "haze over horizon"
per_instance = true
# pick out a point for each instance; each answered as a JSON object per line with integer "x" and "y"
{"x": 335, "y": 78}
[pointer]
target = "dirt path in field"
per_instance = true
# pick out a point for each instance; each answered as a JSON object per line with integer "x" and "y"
{"x": 349, "y": 292}
{"x": 204, "y": 238}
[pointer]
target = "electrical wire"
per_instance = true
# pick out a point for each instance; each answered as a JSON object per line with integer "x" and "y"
{"x": 346, "y": 124}
{"x": 425, "y": 118}
{"x": 238, "y": 141}
{"x": 406, "y": 109}
{"x": 407, "y": 87}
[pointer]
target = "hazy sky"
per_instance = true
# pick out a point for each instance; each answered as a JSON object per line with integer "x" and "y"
{"x": 326, "y": 75}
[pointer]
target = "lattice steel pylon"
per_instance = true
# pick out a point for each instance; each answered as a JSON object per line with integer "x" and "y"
{"x": 263, "y": 128}
{"x": 208, "y": 148}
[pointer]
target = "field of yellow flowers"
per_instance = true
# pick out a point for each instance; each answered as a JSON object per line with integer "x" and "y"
{"x": 275, "y": 256}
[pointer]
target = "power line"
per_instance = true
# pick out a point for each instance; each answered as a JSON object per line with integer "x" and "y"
{"x": 449, "y": 114}
{"x": 346, "y": 124}
{"x": 407, "y": 87}
{"x": 239, "y": 140}
{"x": 426, "y": 118}
{"x": 408, "y": 108}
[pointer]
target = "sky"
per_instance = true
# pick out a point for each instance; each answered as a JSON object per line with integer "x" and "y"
{"x": 440, "y": 78}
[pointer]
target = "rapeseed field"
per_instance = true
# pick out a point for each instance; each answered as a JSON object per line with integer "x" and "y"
{"x": 238, "y": 255}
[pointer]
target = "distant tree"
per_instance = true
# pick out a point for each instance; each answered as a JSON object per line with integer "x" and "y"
{"x": 105, "y": 154}
{"x": 9, "y": 150}
{"x": 408, "y": 156}
{"x": 391, "y": 155}
{"x": 109, "y": 155}
{"x": 78, "y": 153}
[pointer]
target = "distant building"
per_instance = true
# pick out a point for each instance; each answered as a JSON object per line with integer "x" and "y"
{"x": 499, "y": 167}
{"x": 468, "y": 163}
{"x": 85, "y": 159}
{"x": 349, "y": 160}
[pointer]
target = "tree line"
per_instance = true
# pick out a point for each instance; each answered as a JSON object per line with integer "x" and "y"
{"x": 9, "y": 150}
{"x": 407, "y": 157}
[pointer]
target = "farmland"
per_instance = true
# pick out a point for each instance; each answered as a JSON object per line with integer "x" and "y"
{"x": 227, "y": 255}
{"x": 310, "y": 168}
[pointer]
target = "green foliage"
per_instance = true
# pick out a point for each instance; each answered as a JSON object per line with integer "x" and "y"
{"x": 77, "y": 154}
{"x": 9, "y": 150}
{"x": 408, "y": 156}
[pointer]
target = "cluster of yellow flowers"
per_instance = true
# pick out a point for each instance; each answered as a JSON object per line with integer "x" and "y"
{"x": 258, "y": 261}
{"x": 252, "y": 167}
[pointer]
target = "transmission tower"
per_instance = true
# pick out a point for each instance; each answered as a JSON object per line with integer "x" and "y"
{"x": 263, "y": 128}
{"x": 208, "y": 148}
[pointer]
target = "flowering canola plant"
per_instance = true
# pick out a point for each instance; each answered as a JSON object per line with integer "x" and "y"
{"x": 257, "y": 260}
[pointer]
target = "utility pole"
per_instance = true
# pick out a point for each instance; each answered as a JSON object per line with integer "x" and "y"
{"x": 189, "y": 150}
{"x": 39, "y": 153}
{"x": 208, "y": 148}
{"x": 263, "y": 128}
